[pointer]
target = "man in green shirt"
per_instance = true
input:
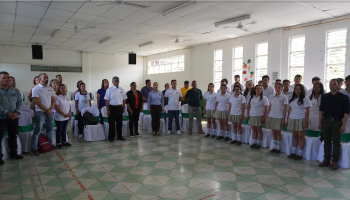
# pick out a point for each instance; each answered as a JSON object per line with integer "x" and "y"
{"x": 194, "y": 96}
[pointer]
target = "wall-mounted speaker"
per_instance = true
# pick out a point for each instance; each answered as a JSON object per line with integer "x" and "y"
{"x": 132, "y": 59}
{"x": 37, "y": 52}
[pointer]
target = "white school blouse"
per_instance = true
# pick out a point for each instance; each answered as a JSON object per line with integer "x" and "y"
{"x": 211, "y": 100}
{"x": 315, "y": 106}
{"x": 277, "y": 104}
{"x": 223, "y": 102}
{"x": 64, "y": 104}
{"x": 236, "y": 104}
{"x": 257, "y": 106}
{"x": 269, "y": 91}
{"x": 298, "y": 111}
{"x": 83, "y": 100}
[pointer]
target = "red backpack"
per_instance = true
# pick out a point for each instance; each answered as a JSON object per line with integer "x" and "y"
{"x": 44, "y": 144}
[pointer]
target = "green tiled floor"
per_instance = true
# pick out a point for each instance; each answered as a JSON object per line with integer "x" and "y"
{"x": 168, "y": 167}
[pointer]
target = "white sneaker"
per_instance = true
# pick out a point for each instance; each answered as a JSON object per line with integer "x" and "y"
{"x": 80, "y": 136}
{"x": 168, "y": 133}
{"x": 178, "y": 132}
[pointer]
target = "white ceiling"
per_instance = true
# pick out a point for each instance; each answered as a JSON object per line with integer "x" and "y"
{"x": 29, "y": 22}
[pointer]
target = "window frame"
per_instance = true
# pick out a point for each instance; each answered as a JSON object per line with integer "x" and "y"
{"x": 165, "y": 64}
{"x": 290, "y": 52}
{"x": 214, "y": 66}
{"x": 256, "y": 60}
{"x": 234, "y": 70}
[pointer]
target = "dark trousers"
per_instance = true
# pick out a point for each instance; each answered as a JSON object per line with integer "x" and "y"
{"x": 134, "y": 121}
{"x": 116, "y": 116}
{"x": 156, "y": 111}
{"x": 61, "y": 131}
{"x": 12, "y": 130}
{"x": 80, "y": 123}
{"x": 331, "y": 131}
{"x": 173, "y": 114}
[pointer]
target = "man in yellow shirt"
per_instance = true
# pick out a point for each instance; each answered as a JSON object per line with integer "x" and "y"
{"x": 184, "y": 91}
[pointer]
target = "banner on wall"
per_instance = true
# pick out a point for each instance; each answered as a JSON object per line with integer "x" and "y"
{"x": 248, "y": 73}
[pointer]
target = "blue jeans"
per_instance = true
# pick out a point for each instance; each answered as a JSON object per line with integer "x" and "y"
{"x": 40, "y": 118}
{"x": 173, "y": 113}
{"x": 61, "y": 131}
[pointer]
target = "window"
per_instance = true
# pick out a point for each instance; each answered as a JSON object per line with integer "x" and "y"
{"x": 237, "y": 61}
{"x": 335, "y": 54}
{"x": 296, "y": 56}
{"x": 262, "y": 50}
{"x": 167, "y": 65}
{"x": 217, "y": 68}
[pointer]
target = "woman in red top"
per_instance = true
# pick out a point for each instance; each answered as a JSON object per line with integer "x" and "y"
{"x": 135, "y": 106}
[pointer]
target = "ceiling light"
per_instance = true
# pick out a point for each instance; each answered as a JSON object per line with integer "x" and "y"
{"x": 54, "y": 33}
{"x": 179, "y": 7}
{"x": 229, "y": 22}
{"x": 105, "y": 40}
{"x": 146, "y": 43}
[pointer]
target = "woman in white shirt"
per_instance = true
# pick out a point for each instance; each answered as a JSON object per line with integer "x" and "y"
{"x": 298, "y": 116}
{"x": 237, "y": 107}
{"x": 209, "y": 109}
{"x": 249, "y": 85}
{"x": 222, "y": 111}
{"x": 257, "y": 109}
{"x": 277, "y": 116}
{"x": 63, "y": 110}
{"x": 315, "y": 98}
{"x": 82, "y": 100}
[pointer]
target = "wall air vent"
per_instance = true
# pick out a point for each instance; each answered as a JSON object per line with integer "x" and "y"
{"x": 40, "y": 68}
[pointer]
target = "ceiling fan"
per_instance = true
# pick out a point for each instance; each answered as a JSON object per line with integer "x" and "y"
{"x": 178, "y": 41}
{"x": 76, "y": 29}
{"x": 240, "y": 26}
{"x": 125, "y": 3}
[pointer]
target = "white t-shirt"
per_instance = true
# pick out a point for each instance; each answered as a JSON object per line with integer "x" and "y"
{"x": 298, "y": 111}
{"x": 115, "y": 96}
{"x": 257, "y": 106}
{"x": 83, "y": 100}
{"x": 289, "y": 94}
{"x": 227, "y": 91}
{"x": 223, "y": 102}
{"x": 45, "y": 94}
{"x": 211, "y": 100}
{"x": 173, "y": 98}
{"x": 277, "y": 104}
{"x": 268, "y": 91}
{"x": 293, "y": 86}
{"x": 315, "y": 106}
{"x": 236, "y": 104}
{"x": 347, "y": 94}
{"x": 64, "y": 104}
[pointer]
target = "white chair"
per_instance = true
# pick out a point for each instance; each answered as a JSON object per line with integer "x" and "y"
{"x": 30, "y": 111}
{"x": 145, "y": 109}
{"x": 146, "y": 117}
{"x": 147, "y": 122}
{"x": 25, "y": 96}
{"x": 186, "y": 121}
{"x": 25, "y": 131}
{"x": 70, "y": 95}
{"x": 126, "y": 122}
{"x": 93, "y": 132}
{"x": 94, "y": 105}
{"x": 74, "y": 120}
{"x": 105, "y": 121}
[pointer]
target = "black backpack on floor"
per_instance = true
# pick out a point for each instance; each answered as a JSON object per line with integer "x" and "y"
{"x": 89, "y": 119}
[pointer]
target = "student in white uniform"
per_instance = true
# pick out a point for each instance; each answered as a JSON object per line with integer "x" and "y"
{"x": 237, "y": 107}
{"x": 222, "y": 111}
{"x": 314, "y": 80}
{"x": 266, "y": 89}
{"x": 257, "y": 110}
{"x": 237, "y": 79}
{"x": 298, "y": 115}
{"x": 346, "y": 91}
{"x": 286, "y": 90}
{"x": 209, "y": 110}
{"x": 248, "y": 90}
{"x": 224, "y": 81}
{"x": 82, "y": 100}
{"x": 315, "y": 98}
{"x": 277, "y": 117}
{"x": 297, "y": 80}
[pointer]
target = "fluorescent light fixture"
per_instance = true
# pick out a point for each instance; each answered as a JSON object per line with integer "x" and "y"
{"x": 229, "y": 22}
{"x": 105, "y": 40}
{"x": 179, "y": 7}
{"x": 54, "y": 33}
{"x": 146, "y": 43}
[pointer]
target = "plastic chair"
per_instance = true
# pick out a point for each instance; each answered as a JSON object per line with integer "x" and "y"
{"x": 93, "y": 132}
{"x": 25, "y": 131}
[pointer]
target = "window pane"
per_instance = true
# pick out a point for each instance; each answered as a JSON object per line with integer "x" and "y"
{"x": 238, "y": 64}
{"x": 156, "y": 62}
{"x": 238, "y": 52}
{"x": 218, "y": 54}
{"x": 181, "y": 58}
{"x": 162, "y": 69}
{"x": 182, "y": 66}
{"x": 175, "y": 67}
{"x": 175, "y": 59}
{"x": 167, "y": 60}
{"x": 217, "y": 86}
{"x": 336, "y": 56}
{"x": 297, "y": 44}
{"x": 259, "y": 74}
{"x": 261, "y": 62}
{"x": 335, "y": 71}
{"x": 167, "y": 68}
{"x": 152, "y": 62}
{"x": 238, "y": 72}
{"x": 297, "y": 59}
{"x": 218, "y": 76}
{"x": 262, "y": 49}
{"x": 295, "y": 71}
{"x": 150, "y": 70}
{"x": 161, "y": 61}
{"x": 149, "y": 63}
{"x": 218, "y": 66}
{"x": 156, "y": 69}
{"x": 336, "y": 38}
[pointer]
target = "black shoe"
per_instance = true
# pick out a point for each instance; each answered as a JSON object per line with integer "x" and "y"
{"x": 239, "y": 143}
{"x": 257, "y": 146}
{"x": 122, "y": 139}
{"x": 111, "y": 140}
{"x": 219, "y": 137}
{"x": 2, "y": 162}
{"x": 55, "y": 147}
{"x": 17, "y": 157}
{"x": 59, "y": 146}
{"x": 253, "y": 145}
{"x": 138, "y": 134}
{"x": 207, "y": 135}
{"x": 298, "y": 157}
{"x": 273, "y": 150}
{"x": 132, "y": 136}
{"x": 233, "y": 142}
{"x": 292, "y": 155}
{"x": 226, "y": 138}
{"x": 212, "y": 136}
{"x": 35, "y": 152}
{"x": 276, "y": 152}
{"x": 66, "y": 144}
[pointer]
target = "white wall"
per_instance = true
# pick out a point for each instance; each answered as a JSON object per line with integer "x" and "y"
{"x": 201, "y": 57}
{"x": 17, "y": 61}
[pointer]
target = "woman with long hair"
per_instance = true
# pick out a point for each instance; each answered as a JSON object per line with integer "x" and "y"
{"x": 78, "y": 84}
{"x": 209, "y": 110}
{"x": 298, "y": 115}
{"x": 257, "y": 109}
{"x": 277, "y": 116}
{"x": 237, "y": 107}
{"x": 248, "y": 90}
{"x": 315, "y": 98}
{"x": 82, "y": 100}
{"x": 36, "y": 82}
{"x": 101, "y": 95}
{"x": 135, "y": 107}
{"x": 222, "y": 111}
